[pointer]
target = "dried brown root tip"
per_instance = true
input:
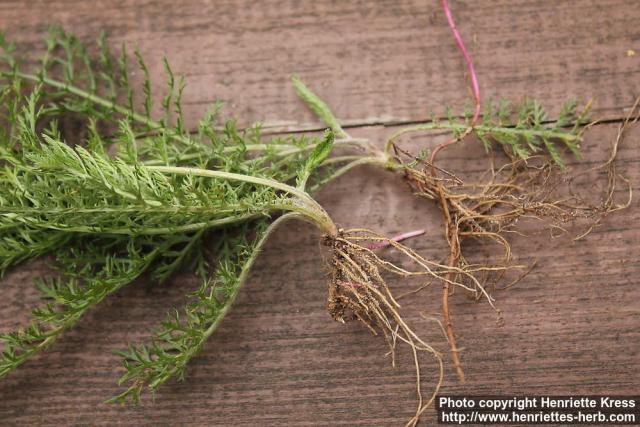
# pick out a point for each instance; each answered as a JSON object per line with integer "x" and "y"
{"x": 455, "y": 355}
{"x": 458, "y": 366}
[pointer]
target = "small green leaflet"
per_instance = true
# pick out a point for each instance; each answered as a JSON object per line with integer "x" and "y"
{"x": 317, "y": 105}
{"x": 315, "y": 159}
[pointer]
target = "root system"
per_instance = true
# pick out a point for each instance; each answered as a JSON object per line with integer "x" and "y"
{"x": 489, "y": 210}
{"x": 358, "y": 291}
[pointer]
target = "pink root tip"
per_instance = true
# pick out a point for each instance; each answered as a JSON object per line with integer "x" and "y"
{"x": 351, "y": 284}
{"x": 398, "y": 238}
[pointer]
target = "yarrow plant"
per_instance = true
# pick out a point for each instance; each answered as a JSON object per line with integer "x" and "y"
{"x": 139, "y": 194}
{"x": 136, "y": 192}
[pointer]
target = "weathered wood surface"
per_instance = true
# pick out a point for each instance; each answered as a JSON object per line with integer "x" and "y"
{"x": 376, "y": 62}
{"x": 571, "y": 327}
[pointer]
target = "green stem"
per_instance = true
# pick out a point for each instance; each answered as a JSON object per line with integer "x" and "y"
{"x": 241, "y": 279}
{"x": 157, "y": 230}
{"x": 285, "y": 149}
{"x": 228, "y": 149}
{"x": 356, "y": 161}
{"x": 546, "y": 134}
{"x": 282, "y": 150}
{"x": 98, "y": 100}
{"x": 308, "y": 206}
{"x": 115, "y": 284}
{"x": 147, "y": 121}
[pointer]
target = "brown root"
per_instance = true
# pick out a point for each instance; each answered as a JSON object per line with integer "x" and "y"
{"x": 491, "y": 209}
{"x": 487, "y": 211}
{"x": 358, "y": 291}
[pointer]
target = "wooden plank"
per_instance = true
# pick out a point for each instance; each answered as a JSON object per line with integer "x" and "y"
{"x": 570, "y": 327}
{"x": 375, "y": 62}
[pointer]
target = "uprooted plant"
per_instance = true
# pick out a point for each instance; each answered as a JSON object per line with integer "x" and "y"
{"x": 136, "y": 194}
{"x": 531, "y": 181}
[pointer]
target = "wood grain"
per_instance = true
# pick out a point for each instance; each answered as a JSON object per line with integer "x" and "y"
{"x": 375, "y": 62}
{"x": 571, "y": 327}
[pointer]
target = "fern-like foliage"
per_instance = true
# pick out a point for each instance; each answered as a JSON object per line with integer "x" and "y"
{"x": 532, "y": 132}
{"x": 19, "y": 244}
{"x": 529, "y": 132}
{"x": 100, "y": 204}
{"x": 103, "y": 184}
{"x": 181, "y": 336}
{"x": 139, "y": 193}
{"x": 88, "y": 277}
{"x": 74, "y": 190}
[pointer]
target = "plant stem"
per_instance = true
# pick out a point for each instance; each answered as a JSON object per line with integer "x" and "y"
{"x": 159, "y": 230}
{"x": 308, "y": 207}
{"x": 241, "y": 279}
{"x": 547, "y": 134}
{"x": 113, "y": 285}
{"x": 357, "y": 161}
{"x": 474, "y": 82}
{"x": 155, "y": 125}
